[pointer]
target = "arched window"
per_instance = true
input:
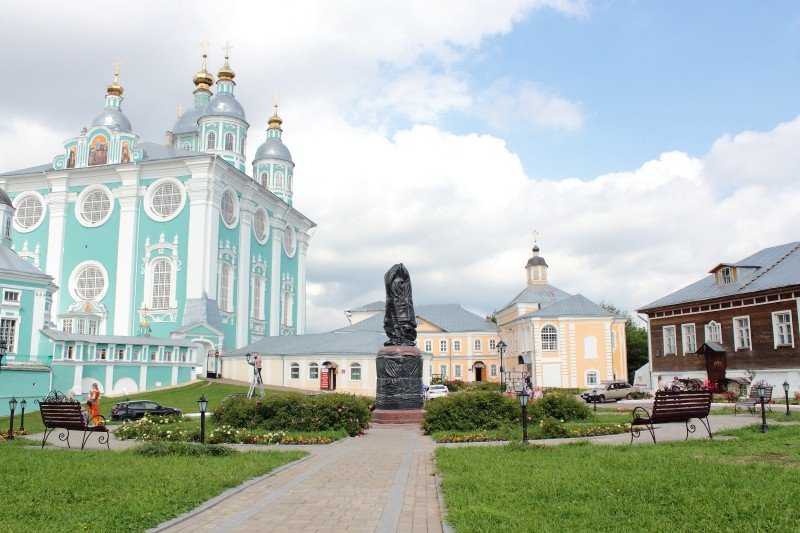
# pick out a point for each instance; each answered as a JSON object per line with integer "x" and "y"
{"x": 313, "y": 371}
{"x": 229, "y": 141}
{"x": 258, "y": 298}
{"x": 591, "y": 378}
{"x": 713, "y": 332}
{"x": 355, "y": 372}
{"x": 279, "y": 180}
{"x": 226, "y": 287}
{"x": 294, "y": 371}
{"x": 287, "y": 305}
{"x": 477, "y": 345}
{"x": 264, "y": 179}
{"x": 162, "y": 284}
{"x": 549, "y": 338}
{"x": 211, "y": 140}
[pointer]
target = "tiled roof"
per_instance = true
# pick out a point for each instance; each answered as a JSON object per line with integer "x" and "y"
{"x": 574, "y": 306}
{"x": 11, "y": 262}
{"x": 201, "y": 310}
{"x": 538, "y": 294}
{"x": 770, "y": 268}
{"x": 450, "y": 317}
{"x": 333, "y": 343}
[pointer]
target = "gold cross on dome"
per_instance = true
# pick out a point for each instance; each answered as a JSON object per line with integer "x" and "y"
{"x": 180, "y": 110}
{"x": 535, "y": 236}
{"x": 204, "y": 47}
{"x": 227, "y": 49}
{"x": 277, "y": 98}
{"x": 117, "y": 64}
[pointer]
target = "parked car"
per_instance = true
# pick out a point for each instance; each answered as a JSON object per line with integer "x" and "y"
{"x": 612, "y": 390}
{"x": 436, "y": 391}
{"x": 134, "y": 410}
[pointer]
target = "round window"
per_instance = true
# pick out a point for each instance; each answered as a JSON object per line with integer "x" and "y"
{"x": 95, "y": 207}
{"x": 260, "y": 226}
{"x": 228, "y": 208}
{"x": 289, "y": 240}
{"x": 167, "y": 199}
{"x": 30, "y": 211}
{"x": 89, "y": 283}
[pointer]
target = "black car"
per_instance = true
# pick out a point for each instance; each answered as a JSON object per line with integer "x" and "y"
{"x": 134, "y": 410}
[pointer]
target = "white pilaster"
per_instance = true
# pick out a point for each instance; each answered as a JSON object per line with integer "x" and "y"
{"x": 275, "y": 279}
{"x": 109, "y": 381}
{"x": 77, "y": 378}
{"x": 174, "y": 377}
{"x": 128, "y": 196}
{"x": 199, "y": 254}
{"x": 143, "y": 370}
{"x": 302, "y": 243}
{"x": 38, "y": 323}
{"x": 57, "y": 207}
{"x": 247, "y": 211}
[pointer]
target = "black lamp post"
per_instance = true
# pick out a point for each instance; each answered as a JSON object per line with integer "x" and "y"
{"x": 501, "y": 347}
{"x": 23, "y": 403}
{"x": 523, "y": 401}
{"x": 12, "y": 404}
{"x": 202, "y": 403}
{"x": 3, "y": 350}
{"x": 762, "y": 390}
{"x": 786, "y": 392}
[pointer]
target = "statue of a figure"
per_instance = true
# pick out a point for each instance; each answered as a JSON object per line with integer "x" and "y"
{"x": 399, "y": 321}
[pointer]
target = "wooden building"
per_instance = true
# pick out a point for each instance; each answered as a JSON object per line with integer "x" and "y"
{"x": 746, "y": 314}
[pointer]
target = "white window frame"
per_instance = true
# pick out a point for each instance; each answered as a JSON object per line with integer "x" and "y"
{"x": 665, "y": 332}
{"x": 428, "y": 345}
{"x": 457, "y": 346}
{"x": 551, "y": 344}
{"x": 726, "y": 275}
{"x": 313, "y": 371}
{"x": 83, "y": 196}
{"x": 355, "y": 372}
{"x": 710, "y": 329}
{"x": 14, "y": 299}
{"x": 257, "y": 298}
{"x": 443, "y": 371}
{"x": 493, "y": 370}
{"x": 289, "y": 239}
{"x": 294, "y": 371}
{"x": 21, "y": 198}
{"x": 229, "y": 135}
{"x": 443, "y": 346}
{"x": 265, "y": 237}
{"x": 692, "y": 334}
{"x": 234, "y": 208}
{"x": 492, "y": 345}
{"x": 477, "y": 346}
{"x": 172, "y": 302}
{"x": 736, "y": 341}
{"x": 150, "y": 193}
{"x": 211, "y": 145}
{"x": 76, "y": 272}
{"x": 287, "y": 302}
{"x": 776, "y": 327}
{"x": 589, "y": 382}
{"x": 457, "y": 374}
{"x": 13, "y": 333}
{"x": 226, "y": 305}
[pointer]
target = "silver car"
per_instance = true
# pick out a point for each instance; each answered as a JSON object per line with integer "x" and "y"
{"x": 612, "y": 390}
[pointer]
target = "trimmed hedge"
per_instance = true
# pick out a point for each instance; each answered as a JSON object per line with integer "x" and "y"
{"x": 296, "y": 411}
{"x": 469, "y": 410}
{"x": 186, "y": 449}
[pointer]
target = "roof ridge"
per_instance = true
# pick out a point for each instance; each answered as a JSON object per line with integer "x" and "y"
{"x": 769, "y": 268}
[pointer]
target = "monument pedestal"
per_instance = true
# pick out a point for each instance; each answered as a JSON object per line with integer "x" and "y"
{"x": 398, "y": 416}
{"x": 399, "y": 371}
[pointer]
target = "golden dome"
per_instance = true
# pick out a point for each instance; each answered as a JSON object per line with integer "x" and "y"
{"x": 275, "y": 121}
{"x": 226, "y": 73}
{"x": 115, "y": 88}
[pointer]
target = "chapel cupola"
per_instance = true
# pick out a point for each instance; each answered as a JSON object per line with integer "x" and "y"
{"x": 272, "y": 165}
{"x": 112, "y": 116}
{"x": 185, "y": 132}
{"x": 536, "y": 269}
{"x": 222, "y": 125}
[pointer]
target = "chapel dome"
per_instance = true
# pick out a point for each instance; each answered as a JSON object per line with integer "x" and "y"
{"x": 223, "y": 104}
{"x": 110, "y": 117}
{"x": 273, "y": 148}
{"x": 187, "y": 122}
{"x": 536, "y": 261}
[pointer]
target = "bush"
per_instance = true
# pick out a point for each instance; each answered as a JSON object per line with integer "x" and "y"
{"x": 560, "y": 407}
{"x": 454, "y": 385}
{"x": 486, "y": 385}
{"x": 296, "y": 411}
{"x": 551, "y": 428}
{"x": 469, "y": 411}
{"x": 185, "y": 449}
{"x": 635, "y": 395}
{"x": 168, "y": 428}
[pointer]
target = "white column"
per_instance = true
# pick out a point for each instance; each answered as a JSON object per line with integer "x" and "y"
{"x": 609, "y": 354}
{"x": 38, "y": 323}
{"x": 201, "y": 247}
{"x": 243, "y": 297}
{"x": 302, "y": 245}
{"x": 275, "y": 279}
{"x": 77, "y": 377}
{"x": 128, "y": 196}
{"x": 143, "y": 370}
{"x": 57, "y": 207}
{"x": 573, "y": 357}
{"x": 109, "y": 381}
{"x": 174, "y": 377}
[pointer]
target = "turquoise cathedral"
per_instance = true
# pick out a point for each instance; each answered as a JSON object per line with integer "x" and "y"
{"x": 146, "y": 260}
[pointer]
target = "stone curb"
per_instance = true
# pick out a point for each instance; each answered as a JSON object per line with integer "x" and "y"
{"x": 446, "y": 528}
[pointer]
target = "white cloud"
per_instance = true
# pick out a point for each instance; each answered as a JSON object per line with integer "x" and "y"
{"x": 25, "y": 143}
{"x": 507, "y": 106}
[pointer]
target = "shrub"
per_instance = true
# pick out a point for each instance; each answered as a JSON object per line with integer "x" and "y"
{"x": 560, "y": 407}
{"x": 636, "y": 395}
{"x": 454, "y": 385}
{"x": 551, "y": 428}
{"x": 186, "y": 449}
{"x": 168, "y": 428}
{"x": 469, "y": 411}
{"x": 296, "y": 411}
{"x": 486, "y": 385}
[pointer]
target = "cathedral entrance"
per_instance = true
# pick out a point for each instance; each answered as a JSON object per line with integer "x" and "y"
{"x": 327, "y": 379}
{"x": 480, "y": 371}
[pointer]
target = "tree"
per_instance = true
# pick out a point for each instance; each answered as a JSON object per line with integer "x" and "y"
{"x": 635, "y": 339}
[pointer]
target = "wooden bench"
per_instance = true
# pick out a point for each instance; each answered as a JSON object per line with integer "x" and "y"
{"x": 60, "y": 412}
{"x": 753, "y": 400}
{"x": 674, "y": 407}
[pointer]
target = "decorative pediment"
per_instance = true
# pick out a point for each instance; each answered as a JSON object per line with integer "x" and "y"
{"x": 97, "y": 146}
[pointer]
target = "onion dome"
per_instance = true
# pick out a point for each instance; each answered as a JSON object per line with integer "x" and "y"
{"x": 273, "y": 147}
{"x": 203, "y": 80}
{"x": 187, "y": 121}
{"x": 112, "y": 115}
{"x": 224, "y": 103}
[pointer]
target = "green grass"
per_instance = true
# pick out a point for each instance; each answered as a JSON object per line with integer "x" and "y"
{"x": 184, "y": 398}
{"x": 57, "y": 490}
{"x": 695, "y": 485}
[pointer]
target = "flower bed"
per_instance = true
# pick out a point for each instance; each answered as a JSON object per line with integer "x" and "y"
{"x": 547, "y": 428}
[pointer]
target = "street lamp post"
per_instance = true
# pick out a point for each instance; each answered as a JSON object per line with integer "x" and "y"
{"x": 501, "y": 347}
{"x": 786, "y": 392}
{"x": 23, "y": 403}
{"x": 12, "y": 404}
{"x": 202, "y": 403}
{"x": 523, "y": 401}
{"x": 762, "y": 390}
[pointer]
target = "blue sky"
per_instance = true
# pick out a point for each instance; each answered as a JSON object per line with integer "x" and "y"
{"x": 440, "y": 134}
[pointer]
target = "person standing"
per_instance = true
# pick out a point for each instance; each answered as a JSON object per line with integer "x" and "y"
{"x": 257, "y": 360}
{"x": 94, "y": 408}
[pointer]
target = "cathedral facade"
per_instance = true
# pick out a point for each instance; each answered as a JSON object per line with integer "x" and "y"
{"x": 168, "y": 241}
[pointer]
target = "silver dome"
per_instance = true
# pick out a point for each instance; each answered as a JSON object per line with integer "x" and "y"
{"x": 223, "y": 104}
{"x": 112, "y": 117}
{"x": 187, "y": 123}
{"x": 273, "y": 148}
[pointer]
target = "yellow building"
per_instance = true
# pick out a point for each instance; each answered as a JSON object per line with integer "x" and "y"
{"x": 559, "y": 339}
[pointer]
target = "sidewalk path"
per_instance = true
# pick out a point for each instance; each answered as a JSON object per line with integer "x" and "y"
{"x": 381, "y": 482}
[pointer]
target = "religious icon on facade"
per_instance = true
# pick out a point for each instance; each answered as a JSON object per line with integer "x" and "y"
{"x": 126, "y": 152}
{"x": 72, "y": 157}
{"x": 98, "y": 151}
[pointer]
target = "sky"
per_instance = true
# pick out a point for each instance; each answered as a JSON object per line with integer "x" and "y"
{"x": 644, "y": 141}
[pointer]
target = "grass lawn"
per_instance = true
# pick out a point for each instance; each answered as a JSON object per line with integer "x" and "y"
{"x": 58, "y": 490}
{"x": 184, "y": 398}
{"x": 696, "y": 485}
